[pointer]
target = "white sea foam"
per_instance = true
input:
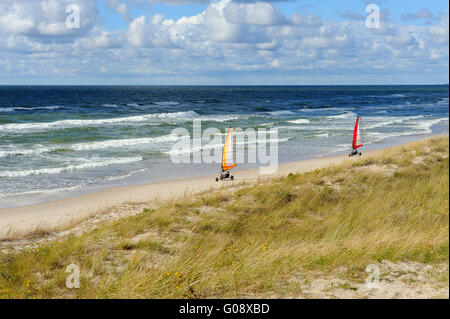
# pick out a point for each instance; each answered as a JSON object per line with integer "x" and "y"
{"x": 217, "y": 146}
{"x": 385, "y": 121}
{"x": 88, "y": 163}
{"x": 218, "y": 118}
{"x": 415, "y": 128}
{"x": 7, "y": 109}
{"x": 277, "y": 113}
{"x": 427, "y": 124}
{"x": 315, "y": 127}
{"x": 166, "y": 103}
{"x": 119, "y": 177}
{"x": 324, "y": 109}
{"x": 119, "y": 143}
{"x": 15, "y": 152}
{"x": 375, "y": 125}
{"x": 89, "y": 146}
{"x": 62, "y": 124}
{"x": 342, "y": 116}
{"x": 299, "y": 121}
{"x": 21, "y": 108}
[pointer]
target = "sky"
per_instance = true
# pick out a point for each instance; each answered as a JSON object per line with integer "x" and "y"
{"x": 223, "y": 42}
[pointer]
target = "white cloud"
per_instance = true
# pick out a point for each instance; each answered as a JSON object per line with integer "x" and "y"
{"x": 227, "y": 38}
{"x": 306, "y": 20}
{"x": 258, "y": 13}
{"x": 45, "y": 17}
{"x": 120, "y": 7}
{"x": 137, "y": 32}
{"x": 440, "y": 32}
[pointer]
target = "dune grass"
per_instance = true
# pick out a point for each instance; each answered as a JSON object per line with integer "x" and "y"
{"x": 254, "y": 240}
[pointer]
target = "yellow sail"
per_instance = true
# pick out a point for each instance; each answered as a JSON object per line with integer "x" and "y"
{"x": 229, "y": 151}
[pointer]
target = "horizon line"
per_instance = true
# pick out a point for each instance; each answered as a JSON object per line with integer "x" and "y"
{"x": 441, "y": 84}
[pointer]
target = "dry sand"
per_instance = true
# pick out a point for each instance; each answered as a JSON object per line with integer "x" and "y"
{"x": 15, "y": 222}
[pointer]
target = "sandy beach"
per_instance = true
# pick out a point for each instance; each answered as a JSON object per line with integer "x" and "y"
{"x": 63, "y": 213}
{"x": 52, "y": 215}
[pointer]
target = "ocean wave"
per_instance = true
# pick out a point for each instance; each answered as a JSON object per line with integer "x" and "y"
{"x": 63, "y": 124}
{"x": 118, "y": 143}
{"x": 299, "y": 121}
{"x": 426, "y": 125}
{"x": 88, "y": 163}
{"x": 320, "y": 109}
{"x": 280, "y": 113}
{"x": 389, "y": 120}
{"x": 343, "y": 116}
{"x": 88, "y": 146}
{"x": 47, "y": 191}
{"x": 381, "y": 124}
{"x": 218, "y": 118}
{"x": 399, "y": 95}
{"x": 16, "y": 152}
{"x": 395, "y": 95}
{"x": 443, "y": 101}
{"x": 416, "y": 127}
{"x": 218, "y": 146}
{"x": 7, "y": 109}
{"x": 119, "y": 177}
{"x": 316, "y": 127}
{"x": 166, "y": 103}
{"x": 22, "y": 108}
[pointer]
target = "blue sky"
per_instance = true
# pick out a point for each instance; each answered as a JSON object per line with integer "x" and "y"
{"x": 223, "y": 42}
{"x": 326, "y": 9}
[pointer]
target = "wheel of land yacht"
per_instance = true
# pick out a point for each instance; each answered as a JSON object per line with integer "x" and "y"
{"x": 360, "y": 154}
{"x": 232, "y": 177}
{"x": 217, "y": 179}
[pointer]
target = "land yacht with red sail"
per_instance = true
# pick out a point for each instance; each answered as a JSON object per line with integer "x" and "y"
{"x": 357, "y": 137}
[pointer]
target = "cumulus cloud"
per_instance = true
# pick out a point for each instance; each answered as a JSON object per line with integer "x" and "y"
{"x": 258, "y": 13}
{"x": 306, "y": 20}
{"x": 440, "y": 32}
{"x": 228, "y": 39}
{"x": 120, "y": 7}
{"x": 44, "y": 18}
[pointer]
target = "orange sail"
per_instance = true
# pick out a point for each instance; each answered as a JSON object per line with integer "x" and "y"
{"x": 229, "y": 151}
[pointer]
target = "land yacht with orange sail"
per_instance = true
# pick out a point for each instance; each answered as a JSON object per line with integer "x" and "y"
{"x": 228, "y": 156}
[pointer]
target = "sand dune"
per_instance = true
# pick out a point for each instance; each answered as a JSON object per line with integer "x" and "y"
{"x": 51, "y": 215}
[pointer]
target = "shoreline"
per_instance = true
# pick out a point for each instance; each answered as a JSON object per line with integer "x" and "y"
{"x": 53, "y": 214}
{"x": 175, "y": 173}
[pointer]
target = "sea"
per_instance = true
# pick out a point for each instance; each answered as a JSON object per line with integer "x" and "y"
{"x": 60, "y": 141}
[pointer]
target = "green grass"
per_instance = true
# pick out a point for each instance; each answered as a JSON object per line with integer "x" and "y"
{"x": 391, "y": 206}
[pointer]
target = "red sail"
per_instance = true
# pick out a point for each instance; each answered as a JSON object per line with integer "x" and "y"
{"x": 357, "y": 134}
